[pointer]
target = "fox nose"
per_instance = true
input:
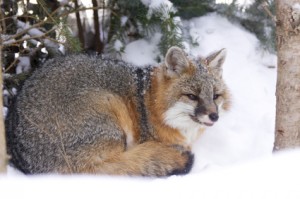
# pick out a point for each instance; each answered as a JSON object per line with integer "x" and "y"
{"x": 213, "y": 117}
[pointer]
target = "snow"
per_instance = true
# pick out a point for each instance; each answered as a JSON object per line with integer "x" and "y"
{"x": 7, "y": 39}
{"x": 44, "y": 50}
{"x": 63, "y": 2}
{"x": 296, "y": 6}
{"x": 240, "y": 2}
{"x": 162, "y": 6}
{"x": 33, "y": 1}
{"x": 142, "y": 52}
{"x": 296, "y": 12}
{"x": 124, "y": 20}
{"x": 118, "y": 45}
{"x": 156, "y": 3}
{"x": 275, "y": 177}
{"x": 62, "y": 49}
{"x": 233, "y": 158}
{"x": 23, "y": 65}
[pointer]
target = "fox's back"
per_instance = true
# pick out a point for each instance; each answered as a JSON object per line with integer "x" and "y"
{"x": 63, "y": 86}
{"x": 68, "y": 76}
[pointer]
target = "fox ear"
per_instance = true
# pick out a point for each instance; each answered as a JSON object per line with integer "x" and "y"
{"x": 215, "y": 61}
{"x": 175, "y": 61}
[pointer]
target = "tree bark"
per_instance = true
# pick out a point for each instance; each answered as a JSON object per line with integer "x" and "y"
{"x": 3, "y": 155}
{"x": 287, "y": 131}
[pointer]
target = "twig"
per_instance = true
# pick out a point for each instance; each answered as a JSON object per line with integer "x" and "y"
{"x": 54, "y": 40}
{"x": 31, "y": 55}
{"x": 32, "y": 26}
{"x": 81, "y": 9}
{"x": 15, "y": 79}
{"x": 26, "y": 30}
{"x": 265, "y": 6}
{"x": 11, "y": 65}
{"x": 2, "y": 18}
{"x": 5, "y": 18}
{"x": 50, "y": 17}
{"x": 29, "y": 38}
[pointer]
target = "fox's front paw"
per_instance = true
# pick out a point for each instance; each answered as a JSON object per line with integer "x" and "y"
{"x": 157, "y": 159}
{"x": 173, "y": 160}
{"x": 189, "y": 161}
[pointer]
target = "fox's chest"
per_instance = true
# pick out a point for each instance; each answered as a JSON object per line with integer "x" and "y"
{"x": 192, "y": 134}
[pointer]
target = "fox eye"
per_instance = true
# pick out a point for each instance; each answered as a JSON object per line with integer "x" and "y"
{"x": 192, "y": 97}
{"x": 216, "y": 96}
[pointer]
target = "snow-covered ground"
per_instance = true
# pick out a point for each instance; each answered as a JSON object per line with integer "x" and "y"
{"x": 270, "y": 178}
{"x": 233, "y": 158}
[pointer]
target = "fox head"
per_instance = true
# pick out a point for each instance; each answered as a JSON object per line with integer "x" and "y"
{"x": 193, "y": 92}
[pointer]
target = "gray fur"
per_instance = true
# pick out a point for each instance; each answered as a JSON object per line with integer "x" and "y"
{"x": 50, "y": 123}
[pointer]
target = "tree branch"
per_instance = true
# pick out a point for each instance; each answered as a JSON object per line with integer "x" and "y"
{"x": 32, "y": 37}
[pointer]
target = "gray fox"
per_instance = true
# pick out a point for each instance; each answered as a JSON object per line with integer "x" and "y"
{"x": 84, "y": 114}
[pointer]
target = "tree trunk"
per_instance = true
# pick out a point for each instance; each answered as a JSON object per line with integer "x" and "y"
{"x": 287, "y": 131}
{"x": 3, "y": 155}
{"x": 79, "y": 25}
{"x": 98, "y": 43}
